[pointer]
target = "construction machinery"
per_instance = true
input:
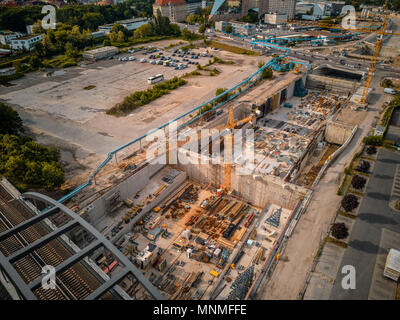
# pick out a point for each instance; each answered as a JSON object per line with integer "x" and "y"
{"x": 371, "y": 70}
{"x": 232, "y": 124}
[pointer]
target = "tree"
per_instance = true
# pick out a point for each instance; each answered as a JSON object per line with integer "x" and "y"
{"x": 349, "y": 202}
{"x": 52, "y": 175}
{"x": 187, "y": 35}
{"x": 175, "y": 30}
{"x": 339, "y": 231}
{"x": 106, "y": 42}
{"x": 228, "y": 29}
{"x": 371, "y": 150}
{"x": 70, "y": 50}
{"x": 144, "y": 31}
{"x": 363, "y": 166}
{"x": 202, "y": 29}
{"x": 121, "y": 37}
{"x": 35, "y": 61}
{"x": 10, "y": 122}
{"x": 358, "y": 182}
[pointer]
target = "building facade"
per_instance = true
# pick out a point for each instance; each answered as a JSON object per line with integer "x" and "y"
{"x": 130, "y": 24}
{"x": 100, "y": 53}
{"x": 275, "y": 18}
{"x": 277, "y": 6}
{"x": 26, "y": 43}
{"x": 193, "y": 6}
{"x": 175, "y": 10}
{"x": 241, "y": 28}
{"x": 7, "y": 36}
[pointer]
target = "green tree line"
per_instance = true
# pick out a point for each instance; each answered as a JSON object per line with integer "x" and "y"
{"x": 24, "y": 162}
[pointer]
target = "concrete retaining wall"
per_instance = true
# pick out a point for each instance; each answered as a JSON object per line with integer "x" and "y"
{"x": 257, "y": 190}
{"x": 321, "y": 82}
{"x": 127, "y": 188}
{"x": 337, "y": 132}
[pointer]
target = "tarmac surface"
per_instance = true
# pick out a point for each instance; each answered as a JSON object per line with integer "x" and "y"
{"x": 374, "y": 215}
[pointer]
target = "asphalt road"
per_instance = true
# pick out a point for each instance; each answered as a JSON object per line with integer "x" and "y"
{"x": 374, "y": 214}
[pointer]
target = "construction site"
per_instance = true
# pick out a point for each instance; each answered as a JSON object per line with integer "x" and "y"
{"x": 201, "y": 204}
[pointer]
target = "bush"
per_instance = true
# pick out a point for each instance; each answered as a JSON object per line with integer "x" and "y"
{"x": 339, "y": 231}
{"x": 26, "y": 163}
{"x": 141, "y": 98}
{"x": 363, "y": 166}
{"x": 10, "y": 121}
{"x": 349, "y": 202}
{"x": 374, "y": 140}
{"x": 371, "y": 150}
{"x": 358, "y": 182}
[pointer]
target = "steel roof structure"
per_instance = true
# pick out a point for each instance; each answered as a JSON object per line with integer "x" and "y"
{"x": 53, "y": 207}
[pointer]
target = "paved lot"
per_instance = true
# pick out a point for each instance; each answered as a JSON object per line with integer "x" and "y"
{"x": 374, "y": 215}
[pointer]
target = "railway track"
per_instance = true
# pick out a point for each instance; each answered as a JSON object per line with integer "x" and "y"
{"x": 74, "y": 283}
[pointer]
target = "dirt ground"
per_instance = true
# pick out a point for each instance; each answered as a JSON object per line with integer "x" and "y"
{"x": 60, "y": 111}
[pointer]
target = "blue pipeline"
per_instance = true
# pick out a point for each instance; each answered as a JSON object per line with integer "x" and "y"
{"x": 113, "y": 153}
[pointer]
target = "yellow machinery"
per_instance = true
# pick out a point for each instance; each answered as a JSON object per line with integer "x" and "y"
{"x": 297, "y": 70}
{"x": 232, "y": 124}
{"x": 377, "y": 50}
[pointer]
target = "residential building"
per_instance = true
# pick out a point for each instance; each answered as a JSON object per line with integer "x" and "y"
{"x": 237, "y": 27}
{"x": 130, "y": 24}
{"x": 275, "y": 18}
{"x": 7, "y": 36}
{"x": 26, "y": 43}
{"x": 193, "y": 6}
{"x": 98, "y": 34}
{"x": 175, "y": 10}
{"x": 278, "y": 6}
{"x": 314, "y": 10}
{"x": 100, "y": 53}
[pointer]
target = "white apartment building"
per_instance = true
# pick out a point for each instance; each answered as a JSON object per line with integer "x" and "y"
{"x": 7, "y": 36}
{"x": 26, "y": 43}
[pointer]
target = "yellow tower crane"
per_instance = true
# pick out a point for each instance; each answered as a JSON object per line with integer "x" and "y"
{"x": 232, "y": 124}
{"x": 371, "y": 70}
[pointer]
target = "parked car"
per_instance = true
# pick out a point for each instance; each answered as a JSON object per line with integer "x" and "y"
{"x": 132, "y": 58}
{"x": 143, "y": 60}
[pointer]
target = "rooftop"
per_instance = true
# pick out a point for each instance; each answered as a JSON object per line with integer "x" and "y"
{"x": 169, "y": 2}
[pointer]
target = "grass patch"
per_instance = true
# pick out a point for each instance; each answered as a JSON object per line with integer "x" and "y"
{"x": 141, "y": 98}
{"x": 90, "y": 87}
{"x": 62, "y": 61}
{"x": 233, "y": 49}
{"x": 345, "y": 214}
{"x": 335, "y": 241}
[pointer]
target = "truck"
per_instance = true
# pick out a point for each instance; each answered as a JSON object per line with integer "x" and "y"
{"x": 390, "y": 91}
